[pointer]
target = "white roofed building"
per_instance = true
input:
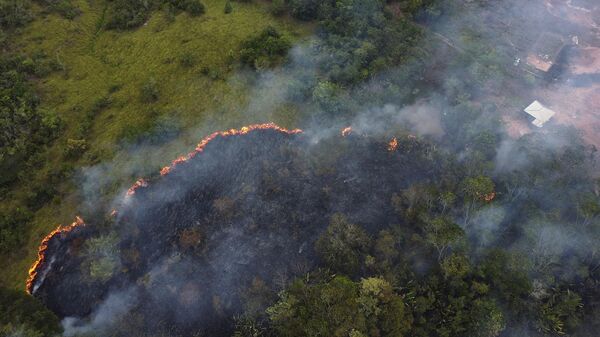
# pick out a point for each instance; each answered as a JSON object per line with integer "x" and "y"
{"x": 540, "y": 113}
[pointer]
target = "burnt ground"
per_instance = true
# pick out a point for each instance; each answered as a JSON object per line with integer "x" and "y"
{"x": 248, "y": 208}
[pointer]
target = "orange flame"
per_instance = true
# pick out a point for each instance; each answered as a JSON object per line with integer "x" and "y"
{"x": 200, "y": 147}
{"x": 346, "y": 131}
{"x": 139, "y": 183}
{"x": 41, "y": 258}
{"x": 393, "y": 144}
{"x": 489, "y": 197}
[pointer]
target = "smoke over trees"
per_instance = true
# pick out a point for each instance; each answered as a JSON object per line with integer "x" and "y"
{"x": 429, "y": 215}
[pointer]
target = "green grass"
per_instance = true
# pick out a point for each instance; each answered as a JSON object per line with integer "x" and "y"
{"x": 96, "y": 63}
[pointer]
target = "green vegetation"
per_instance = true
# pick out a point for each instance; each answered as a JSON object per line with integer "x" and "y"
{"x": 495, "y": 247}
{"x": 23, "y": 315}
{"x": 265, "y": 50}
{"x": 102, "y": 256}
{"x": 340, "y": 307}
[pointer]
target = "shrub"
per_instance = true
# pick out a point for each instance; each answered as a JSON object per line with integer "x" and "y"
{"x": 195, "y": 7}
{"x": 187, "y": 60}
{"x": 228, "y": 8}
{"x": 149, "y": 92}
{"x": 75, "y": 148}
{"x": 127, "y": 14}
{"x": 265, "y": 50}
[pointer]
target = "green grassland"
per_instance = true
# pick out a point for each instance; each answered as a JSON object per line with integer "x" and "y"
{"x": 190, "y": 62}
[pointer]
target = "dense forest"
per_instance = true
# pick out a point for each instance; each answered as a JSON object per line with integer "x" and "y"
{"x": 391, "y": 195}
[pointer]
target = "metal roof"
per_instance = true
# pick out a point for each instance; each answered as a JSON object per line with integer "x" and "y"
{"x": 540, "y": 113}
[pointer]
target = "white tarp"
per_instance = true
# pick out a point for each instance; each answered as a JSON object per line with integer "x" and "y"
{"x": 540, "y": 113}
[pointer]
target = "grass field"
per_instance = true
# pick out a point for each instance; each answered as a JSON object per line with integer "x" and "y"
{"x": 191, "y": 61}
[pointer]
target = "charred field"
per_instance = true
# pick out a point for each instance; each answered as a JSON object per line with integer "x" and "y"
{"x": 247, "y": 207}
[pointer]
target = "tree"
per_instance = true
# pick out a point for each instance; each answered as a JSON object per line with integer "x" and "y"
{"x": 447, "y": 200}
{"x": 487, "y": 319}
{"x": 383, "y": 309}
{"x": 340, "y": 307}
{"x": 343, "y": 245}
{"x": 507, "y": 275}
{"x": 228, "y": 8}
{"x": 323, "y": 309}
{"x": 265, "y": 50}
{"x": 442, "y": 233}
{"x": 385, "y": 247}
{"x": 561, "y": 312}
{"x": 327, "y": 95}
{"x": 477, "y": 190}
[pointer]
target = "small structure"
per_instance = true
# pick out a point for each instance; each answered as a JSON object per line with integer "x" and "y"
{"x": 545, "y": 51}
{"x": 540, "y": 113}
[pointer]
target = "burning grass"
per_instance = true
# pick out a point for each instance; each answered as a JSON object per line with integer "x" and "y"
{"x": 41, "y": 265}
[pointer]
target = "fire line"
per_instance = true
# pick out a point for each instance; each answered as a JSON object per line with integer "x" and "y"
{"x": 204, "y": 142}
{"x": 41, "y": 258}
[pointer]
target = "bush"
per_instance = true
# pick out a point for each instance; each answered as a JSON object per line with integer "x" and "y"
{"x": 228, "y": 8}
{"x": 149, "y": 92}
{"x": 75, "y": 148}
{"x": 195, "y": 7}
{"x": 127, "y": 14}
{"x": 187, "y": 60}
{"x": 265, "y": 50}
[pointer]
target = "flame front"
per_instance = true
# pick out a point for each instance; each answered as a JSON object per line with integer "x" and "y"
{"x": 200, "y": 147}
{"x": 41, "y": 258}
{"x": 139, "y": 183}
{"x": 346, "y": 131}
